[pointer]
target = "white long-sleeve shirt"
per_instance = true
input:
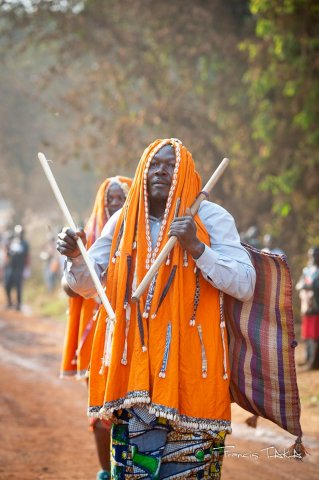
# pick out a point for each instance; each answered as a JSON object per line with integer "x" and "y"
{"x": 225, "y": 264}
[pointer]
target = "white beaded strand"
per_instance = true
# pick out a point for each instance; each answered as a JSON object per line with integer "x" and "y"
{"x": 152, "y": 253}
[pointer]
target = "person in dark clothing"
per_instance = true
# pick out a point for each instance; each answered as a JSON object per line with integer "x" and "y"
{"x": 17, "y": 259}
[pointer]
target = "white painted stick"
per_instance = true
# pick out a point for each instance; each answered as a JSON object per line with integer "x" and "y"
{"x": 172, "y": 240}
{"x": 69, "y": 219}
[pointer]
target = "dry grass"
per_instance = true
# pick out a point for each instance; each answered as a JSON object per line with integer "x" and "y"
{"x": 49, "y": 304}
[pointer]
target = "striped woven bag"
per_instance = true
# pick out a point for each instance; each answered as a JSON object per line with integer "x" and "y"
{"x": 262, "y": 343}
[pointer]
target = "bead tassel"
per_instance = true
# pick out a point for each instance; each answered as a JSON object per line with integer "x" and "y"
{"x": 298, "y": 450}
{"x": 106, "y": 355}
{"x": 127, "y": 327}
{"x": 196, "y": 297}
{"x": 252, "y": 421}
{"x": 149, "y": 298}
{"x": 204, "y": 358}
{"x": 222, "y": 328}
{"x": 162, "y": 373}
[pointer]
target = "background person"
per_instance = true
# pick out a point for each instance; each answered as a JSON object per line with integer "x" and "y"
{"x": 16, "y": 265}
{"x": 81, "y": 321}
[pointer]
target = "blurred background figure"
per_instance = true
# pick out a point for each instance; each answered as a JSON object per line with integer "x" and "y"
{"x": 16, "y": 265}
{"x": 251, "y": 236}
{"x": 269, "y": 245}
{"x": 308, "y": 287}
{"x": 2, "y": 257}
{"x": 83, "y": 312}
{"x": 51, "y": 263}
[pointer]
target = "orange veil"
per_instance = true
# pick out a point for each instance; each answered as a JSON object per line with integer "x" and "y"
{"x": 167, "y": 352}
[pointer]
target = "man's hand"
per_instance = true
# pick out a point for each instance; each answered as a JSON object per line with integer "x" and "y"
{"x": 184, "y": 228}
{"x": 66, "y": 242}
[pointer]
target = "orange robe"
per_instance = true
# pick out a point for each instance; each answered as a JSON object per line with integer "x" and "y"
{"x": 172, "y": 358}
{"x": 81, "y": 313}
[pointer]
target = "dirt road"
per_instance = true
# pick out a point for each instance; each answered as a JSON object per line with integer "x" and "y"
{"x": 44, "y": 432}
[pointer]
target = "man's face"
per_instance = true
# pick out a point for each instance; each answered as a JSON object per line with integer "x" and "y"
{"x": 115, "y": 198}
{"x": 160, "y": 174}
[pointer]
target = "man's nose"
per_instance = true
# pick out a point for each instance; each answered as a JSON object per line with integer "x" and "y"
{"x": 161, "y": 169}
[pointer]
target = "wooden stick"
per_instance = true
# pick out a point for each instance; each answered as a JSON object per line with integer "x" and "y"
{"x": 69, "y": 219}
{"x": 172, "y": 240}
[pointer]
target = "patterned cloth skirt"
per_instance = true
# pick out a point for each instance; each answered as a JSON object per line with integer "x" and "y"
{"x": 147, "y": 447}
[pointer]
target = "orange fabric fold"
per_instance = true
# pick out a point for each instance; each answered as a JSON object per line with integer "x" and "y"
{"x": 172, "y": 365}
{"x": 81, "y": 313}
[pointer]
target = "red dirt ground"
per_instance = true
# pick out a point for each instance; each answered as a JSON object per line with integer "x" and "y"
{"x": 44, "y": 432}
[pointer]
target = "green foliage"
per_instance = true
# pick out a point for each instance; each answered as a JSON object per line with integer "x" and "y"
{"x": 284, "y": 183}
{"x": 283, "y": 89}
{"x": 97, "y": 82}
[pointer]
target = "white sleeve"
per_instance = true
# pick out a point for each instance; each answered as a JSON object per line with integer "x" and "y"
{"x": 226, "y": 263}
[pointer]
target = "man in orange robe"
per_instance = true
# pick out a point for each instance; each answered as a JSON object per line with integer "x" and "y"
{"x": 161, "y": 372}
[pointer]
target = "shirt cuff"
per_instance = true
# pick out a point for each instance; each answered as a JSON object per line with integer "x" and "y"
{"x": 206, "y": 260}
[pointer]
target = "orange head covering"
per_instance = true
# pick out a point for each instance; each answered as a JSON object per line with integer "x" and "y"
{"x": 168, "y": 351}
{"x": 100, "y": 213}
{"x": 81, "y": 324}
